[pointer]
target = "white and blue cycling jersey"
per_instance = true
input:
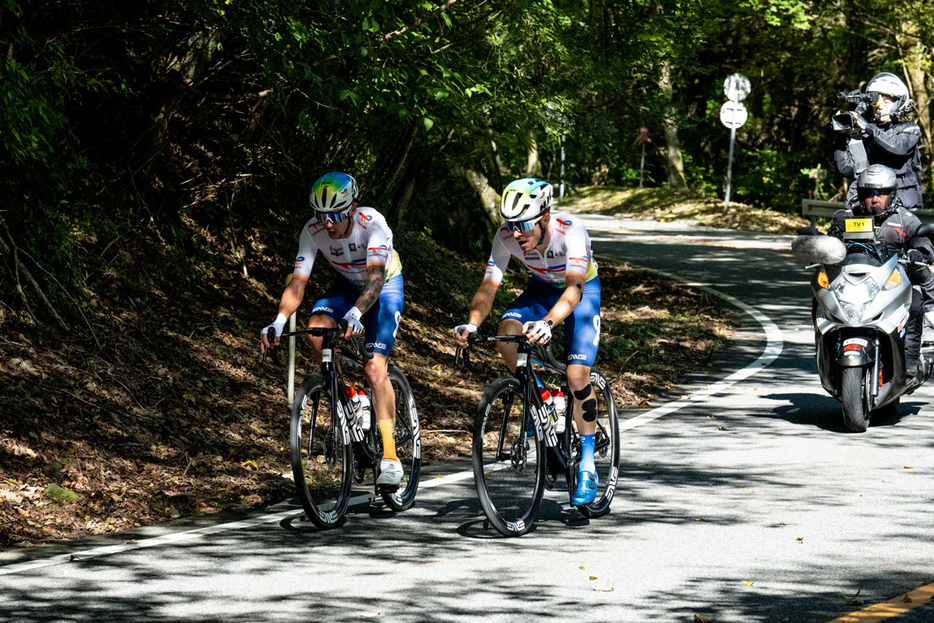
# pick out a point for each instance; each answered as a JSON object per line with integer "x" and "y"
{"x": 568, "y": 253}
{"x": 369, "y": 244}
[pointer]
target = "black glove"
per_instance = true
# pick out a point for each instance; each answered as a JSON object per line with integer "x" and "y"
{"x": 916, "y": 255}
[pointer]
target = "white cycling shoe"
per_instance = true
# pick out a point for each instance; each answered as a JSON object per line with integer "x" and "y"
{"x": 390, "y": 473}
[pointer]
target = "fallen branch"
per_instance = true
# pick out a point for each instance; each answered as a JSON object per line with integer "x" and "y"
{"x": 73, "y": 300}
{"x": 20, "y": 267}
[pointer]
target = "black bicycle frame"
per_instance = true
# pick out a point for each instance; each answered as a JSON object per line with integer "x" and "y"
{"x": 351, "y": 432}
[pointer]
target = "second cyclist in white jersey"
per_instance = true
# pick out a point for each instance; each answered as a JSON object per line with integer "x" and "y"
{"x": 563, "y": 286}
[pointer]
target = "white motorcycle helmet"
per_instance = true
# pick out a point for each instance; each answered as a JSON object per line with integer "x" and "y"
{"x": 889, "y": 84}
{"x": 526, "y": 201}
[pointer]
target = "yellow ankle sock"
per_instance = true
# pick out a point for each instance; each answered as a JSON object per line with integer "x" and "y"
{"x": 386, "y": 428}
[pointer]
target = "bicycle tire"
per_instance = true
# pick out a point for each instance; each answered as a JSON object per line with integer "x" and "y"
{"x": 320, "y": 455}
{"x": 510, "y": 511}
{"x": 607, "y": 445}
{"x": 408, "y": 443}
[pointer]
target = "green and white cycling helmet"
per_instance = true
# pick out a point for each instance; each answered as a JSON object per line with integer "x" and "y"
{"x": 524, "y": 203}
{"x": 889, "y": 84}
{"x": 333, "y": 195}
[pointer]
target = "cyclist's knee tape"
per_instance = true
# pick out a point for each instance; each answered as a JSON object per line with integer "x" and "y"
{"x": 589, "y": 406}
{"x": 590, "y": 410}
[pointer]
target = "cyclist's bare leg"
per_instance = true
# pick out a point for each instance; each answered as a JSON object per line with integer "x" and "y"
{"x": 319, "y": 321}
{"x": 376, "y": 371}
{"x": 384, "y": 397}
{"x": 579, "y": 384}
{"x": 509, "y": 352}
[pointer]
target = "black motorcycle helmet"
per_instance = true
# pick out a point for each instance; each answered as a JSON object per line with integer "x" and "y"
{"x": 876, "y": 188}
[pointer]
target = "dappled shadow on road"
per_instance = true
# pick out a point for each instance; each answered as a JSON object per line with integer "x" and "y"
{"x": 776, "y": 596}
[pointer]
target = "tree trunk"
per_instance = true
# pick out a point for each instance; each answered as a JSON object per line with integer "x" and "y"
{"x": 400, "y": 156}
{"x": 533, "y": 167}
{"x": 673, "y": 154}
{"x": 913, "y": 60}
{"x": 487, "y": 195}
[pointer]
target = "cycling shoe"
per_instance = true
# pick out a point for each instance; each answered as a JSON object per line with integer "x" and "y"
{"x": 390, "y": 473}
{"x": 586, "y": 491}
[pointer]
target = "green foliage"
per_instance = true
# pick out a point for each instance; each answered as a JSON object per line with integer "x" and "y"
{"x": 169, "y": 125}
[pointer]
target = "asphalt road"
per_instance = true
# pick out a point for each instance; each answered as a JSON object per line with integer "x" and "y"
{"x": 750, "y": 504}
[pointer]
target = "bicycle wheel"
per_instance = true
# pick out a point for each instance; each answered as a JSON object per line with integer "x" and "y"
{"x": 508, "y": 466}
{"x": 606, "y": 448}
{"x": 408, "y": 443}
{"x": 320, "y": 454}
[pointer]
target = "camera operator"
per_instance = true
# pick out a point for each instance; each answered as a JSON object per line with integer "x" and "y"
{"x": 881, "y": 133}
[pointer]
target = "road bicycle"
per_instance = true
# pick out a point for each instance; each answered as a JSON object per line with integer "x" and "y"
{"x": 329, "y": 449}
{"x": 517, "y": 453}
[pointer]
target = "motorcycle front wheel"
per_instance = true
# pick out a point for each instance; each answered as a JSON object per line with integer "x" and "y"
{"x": 855, "y": 387}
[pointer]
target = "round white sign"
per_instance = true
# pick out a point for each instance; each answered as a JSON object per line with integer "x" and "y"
{"x": 733, "y": 114}
{"x": 736, "y": 87}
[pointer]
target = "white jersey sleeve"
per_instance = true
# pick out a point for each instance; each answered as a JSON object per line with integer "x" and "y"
{"x": 499, "y": 260}
{"x": 578, "y": 251}
{"x": 307, "y": 249}
{"x": 378, "y": 241}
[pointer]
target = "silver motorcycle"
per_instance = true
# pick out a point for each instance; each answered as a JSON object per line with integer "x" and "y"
{"x": 862, "y": 299}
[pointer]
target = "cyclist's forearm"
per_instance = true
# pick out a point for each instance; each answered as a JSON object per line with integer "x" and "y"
{"x": 572, "y": 295}
{"x": 370, "y": 293}
{"x": 482, "y": 303}
{"x": 292, "y": 297}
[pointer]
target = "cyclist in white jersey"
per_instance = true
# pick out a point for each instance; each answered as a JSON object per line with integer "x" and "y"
{"x": 358, "y": 244}
{"x": 563, "y": 286}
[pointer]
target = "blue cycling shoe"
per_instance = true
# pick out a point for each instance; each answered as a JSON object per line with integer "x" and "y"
{"x": 586, "y": 491}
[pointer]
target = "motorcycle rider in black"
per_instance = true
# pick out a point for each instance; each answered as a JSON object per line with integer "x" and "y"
{"x": 888, "y": 138}
{"x": 895, "y": 226}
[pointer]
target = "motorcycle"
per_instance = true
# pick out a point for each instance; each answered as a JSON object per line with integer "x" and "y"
{"x": 862, "y": 299}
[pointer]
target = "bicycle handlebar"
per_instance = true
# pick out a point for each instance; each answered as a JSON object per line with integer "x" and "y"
{"x": 543, "y": 352}
{"x": 332, "y": 332}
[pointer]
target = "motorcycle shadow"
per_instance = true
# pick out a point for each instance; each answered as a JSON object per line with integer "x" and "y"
{"x": 824, "y": 412}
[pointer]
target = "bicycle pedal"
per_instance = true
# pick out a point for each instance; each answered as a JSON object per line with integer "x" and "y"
{"x": 387, "y": 488}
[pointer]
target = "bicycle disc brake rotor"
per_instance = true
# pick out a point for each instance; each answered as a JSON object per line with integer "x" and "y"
{"x": 603, "y": 442}
{"x": 520, "y": 453}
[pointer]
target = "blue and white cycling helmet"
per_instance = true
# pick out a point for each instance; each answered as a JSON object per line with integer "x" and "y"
{"x": 526, "y": 201}
{"x": 333, "y": 192}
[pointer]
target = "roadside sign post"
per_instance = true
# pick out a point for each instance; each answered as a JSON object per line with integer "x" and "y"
{"x": 292, "y": 321}
{"x": 561, "y": 188}
{"x": 733, "y": 115}
{"x": 643, "y": 139}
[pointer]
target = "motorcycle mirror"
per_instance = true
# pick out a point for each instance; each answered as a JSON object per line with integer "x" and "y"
{"x": 818, "y": 249}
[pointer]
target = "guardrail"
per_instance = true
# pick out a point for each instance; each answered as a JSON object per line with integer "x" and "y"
{"x": 811, "y": 209}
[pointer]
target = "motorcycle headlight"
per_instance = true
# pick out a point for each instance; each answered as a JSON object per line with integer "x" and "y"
{"x": 895, "y": 279}
{"x": 853, "y": 311}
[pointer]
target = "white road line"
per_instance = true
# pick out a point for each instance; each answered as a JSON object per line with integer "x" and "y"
{"x": 772, "y": 350}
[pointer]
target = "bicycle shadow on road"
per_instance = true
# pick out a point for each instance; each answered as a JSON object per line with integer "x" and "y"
{"x": 551, "y": 511}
